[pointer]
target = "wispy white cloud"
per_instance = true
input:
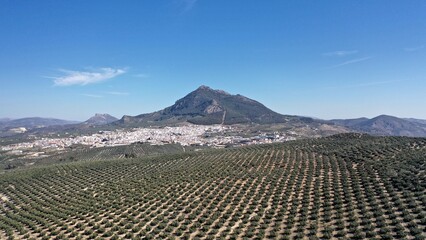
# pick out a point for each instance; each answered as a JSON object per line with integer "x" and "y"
{"x": 86, "y": 77}
{"x": 340, "y": 53}
{"x": 92, "y": 95}
{"x": 414, "y": 49}
{"x": 118, "y": 93}
{"x": 356, "y": 60}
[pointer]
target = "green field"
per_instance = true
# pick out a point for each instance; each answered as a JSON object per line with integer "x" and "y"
{"x": 84, "y": 153}
{"x": 342, "y": 187}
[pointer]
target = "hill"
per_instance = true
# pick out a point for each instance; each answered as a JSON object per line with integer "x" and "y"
{"x": 385, "y": 125}
{"x": 208, "y": 106}
{"x": 100, "y": 119}
{"x": 34, "y": 122}
{"x": 421, "y": 121}
{"x": 4, "y": 120}
{"x": 58, "y": 128}
{"x": 350, "y": 186}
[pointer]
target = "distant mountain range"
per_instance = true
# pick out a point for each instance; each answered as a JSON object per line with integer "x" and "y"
{"x": 34, "y": 122}
{"x": 37, "y": 122}
{"x": 206, "y": 106}
{"x": 35, "y": 126}
{"x": 385, "y": 125}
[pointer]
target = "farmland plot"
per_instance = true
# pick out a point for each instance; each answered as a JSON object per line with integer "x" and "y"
{"x": 341, "y": 187}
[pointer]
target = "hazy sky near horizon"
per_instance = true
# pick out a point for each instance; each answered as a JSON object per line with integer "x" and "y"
{"x": 326, "y": 59}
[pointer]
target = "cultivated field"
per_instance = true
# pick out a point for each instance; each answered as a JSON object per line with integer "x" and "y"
{"x": 342, "y": 187}
{"x": 84, "y": 153}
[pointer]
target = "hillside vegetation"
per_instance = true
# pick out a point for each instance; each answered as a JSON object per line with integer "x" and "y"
{"x": 206, "y": 106}
{"x": 345, "y": 186}
{"x": 84, "y": 153}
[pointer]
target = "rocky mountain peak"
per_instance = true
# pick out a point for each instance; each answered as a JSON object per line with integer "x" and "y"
{"x": 208, "y": 106}
{"x": 204, "y": 88}
{"x": 100, "y": 119}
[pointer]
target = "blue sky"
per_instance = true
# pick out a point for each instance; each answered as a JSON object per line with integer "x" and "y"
{"x": 327, "y": 59}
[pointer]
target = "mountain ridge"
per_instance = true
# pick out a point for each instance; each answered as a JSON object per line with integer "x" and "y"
{"x": 206, "y": 106}
{"x": 34, "y": 122}
{"x": 385, "y": 125}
